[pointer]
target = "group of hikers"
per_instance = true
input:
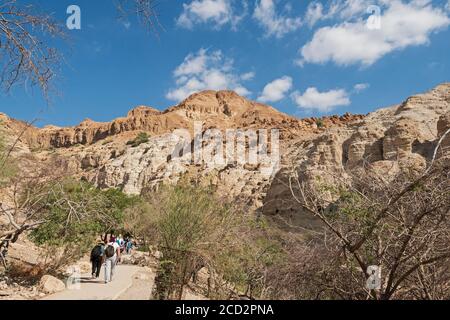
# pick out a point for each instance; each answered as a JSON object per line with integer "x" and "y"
{"x": 109, "y": 253}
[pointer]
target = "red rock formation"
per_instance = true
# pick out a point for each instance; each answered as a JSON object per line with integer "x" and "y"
{"x": 217, "y": 109}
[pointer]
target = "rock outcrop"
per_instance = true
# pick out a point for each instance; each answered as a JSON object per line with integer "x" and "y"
{"x": 386, "y": 141}
{"x": 49, "y": 285}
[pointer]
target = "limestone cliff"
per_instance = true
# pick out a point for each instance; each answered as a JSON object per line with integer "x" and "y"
{"x": 390, "y": 139}
{"x": 402, "y": 137}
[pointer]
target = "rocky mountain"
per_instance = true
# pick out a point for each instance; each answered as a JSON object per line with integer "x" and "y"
{"x": 390, "y": 139}
{"x": 402, "y": 137}
{"x": 222, "y": 110}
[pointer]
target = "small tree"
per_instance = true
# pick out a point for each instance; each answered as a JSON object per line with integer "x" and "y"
{"x": 75, "y": 213}
{"x": 141, "y": 222}
{"x": 25, "y": 50}
{"x": 244, "y": 262}
{"x": 195, "y": 230}
{"x": 401, "y": 226}
{"x": 190, "y": 223}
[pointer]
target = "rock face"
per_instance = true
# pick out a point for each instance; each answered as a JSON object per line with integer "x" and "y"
{"x": 397, "y": 138}
{"x": 142, "y": 166}
{"x": 402, "y": 137}
{"x": 222, "y": 109}
{"x": 50, "y": 285}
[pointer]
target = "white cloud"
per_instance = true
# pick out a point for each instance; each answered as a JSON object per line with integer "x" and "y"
{"x": 275, "y": 24}
{"x": 195, "y": 63}
{"x": 402, "y": 25}
{"x": 206, "y": 71}
{"x": 248, "y": 76}
{"x": 242, "y": 91}
{"x": 276, "y": 90}
{"x": 346, "y": 10}
{"x": 213, "y": 12}
{"x": 361, "y": 87}
{"x": 314, "y": 13}
{"x": 312, "y": 99}
{"x": 352, "y": 9}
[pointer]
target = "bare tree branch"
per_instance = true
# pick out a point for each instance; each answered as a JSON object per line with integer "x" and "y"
{"x": 25, "y": 53}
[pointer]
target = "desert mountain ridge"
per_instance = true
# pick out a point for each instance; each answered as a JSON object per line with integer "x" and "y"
{"x": 217, "y": 109}
{"x": 389, "y": 140}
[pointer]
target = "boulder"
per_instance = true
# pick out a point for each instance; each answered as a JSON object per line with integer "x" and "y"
{"x": 50, "y": 285}
{"x": 136, "y": 258}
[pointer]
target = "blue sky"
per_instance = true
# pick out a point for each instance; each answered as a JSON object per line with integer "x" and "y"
{"x": 306, "y": 58}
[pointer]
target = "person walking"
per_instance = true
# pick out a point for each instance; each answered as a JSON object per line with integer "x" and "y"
{"x": 112, "y": 255}
{"x": 97, "y": 258}
{"x": 120, "y": 242}
{"x": 129, "y": 246}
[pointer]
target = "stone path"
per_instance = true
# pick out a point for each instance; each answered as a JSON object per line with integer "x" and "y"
{"x": 130, "y": 283}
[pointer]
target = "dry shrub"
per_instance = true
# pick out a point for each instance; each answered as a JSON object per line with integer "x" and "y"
{"x": 26, "y": 273}
{"x": 401, "y": 225}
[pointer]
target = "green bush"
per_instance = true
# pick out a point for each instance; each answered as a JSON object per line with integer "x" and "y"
{"x": 188, "y": 224}
{"x": 140, "y": 139}
{"x": 74, "y": 214}
{"x": 193, "y": 229}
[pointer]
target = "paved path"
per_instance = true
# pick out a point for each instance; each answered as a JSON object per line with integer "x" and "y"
{"x": 124, "y": 278}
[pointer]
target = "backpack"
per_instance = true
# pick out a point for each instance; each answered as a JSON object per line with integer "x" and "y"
{"x": 109, "y": 251}
{"x": 97, "y": 252}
